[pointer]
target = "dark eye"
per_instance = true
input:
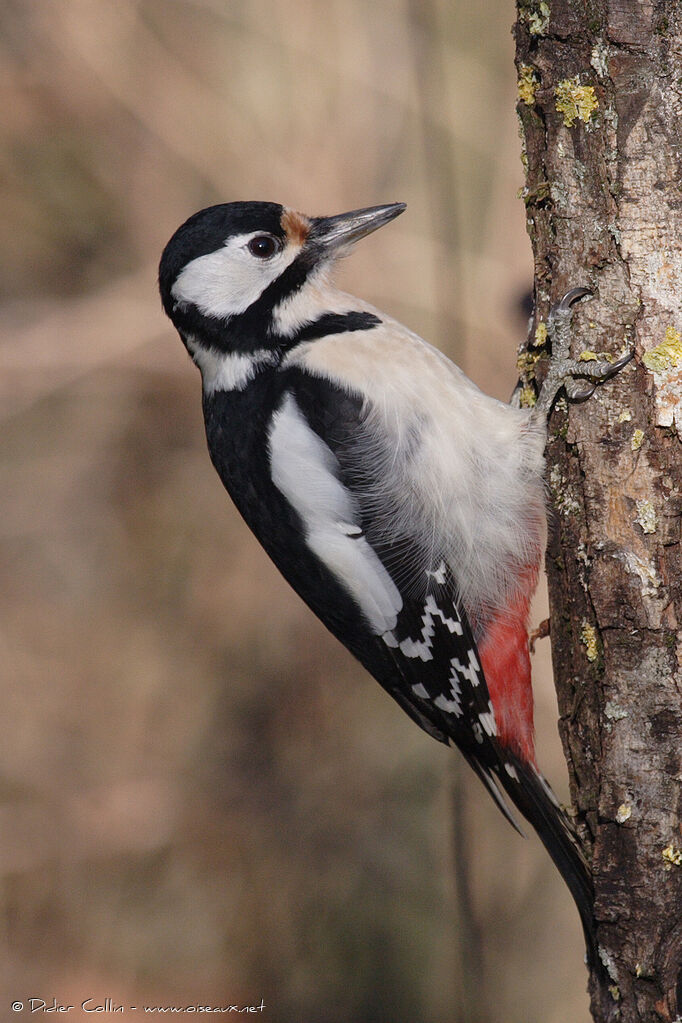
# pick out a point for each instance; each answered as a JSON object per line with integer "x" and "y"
{"x": 263, "y": 246}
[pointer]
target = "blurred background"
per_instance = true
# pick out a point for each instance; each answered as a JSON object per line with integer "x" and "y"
{"x": 203, "y": 799}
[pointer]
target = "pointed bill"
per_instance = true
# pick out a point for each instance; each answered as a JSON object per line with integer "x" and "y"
{"x": 345, "y": 228}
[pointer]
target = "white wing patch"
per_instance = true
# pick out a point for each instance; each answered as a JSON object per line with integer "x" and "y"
{"x": 423, "y": 648}
{"x": 453, "y": 703}
{"x": 488, "y": 720}
{"x": 471, "y": 672}
{"x": 304, "y": 471}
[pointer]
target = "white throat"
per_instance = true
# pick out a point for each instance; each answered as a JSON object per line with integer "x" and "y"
{"x": 314, "y": 299}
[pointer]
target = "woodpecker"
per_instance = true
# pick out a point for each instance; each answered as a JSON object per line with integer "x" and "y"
{"x": 404, "y": 506}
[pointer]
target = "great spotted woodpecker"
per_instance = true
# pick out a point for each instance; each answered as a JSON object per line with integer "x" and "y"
{"x": 402, "y": 504}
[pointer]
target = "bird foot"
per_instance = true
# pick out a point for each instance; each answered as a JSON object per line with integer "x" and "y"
{"x": 541, "y": 632}
{"x": 579, "y": 377}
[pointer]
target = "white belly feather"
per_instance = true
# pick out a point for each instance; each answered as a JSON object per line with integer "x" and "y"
{"x": 464, "y": 479}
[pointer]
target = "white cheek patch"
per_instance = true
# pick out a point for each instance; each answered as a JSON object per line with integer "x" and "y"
{"x": 303, "y": 470}
{"x": 226, "y": 282}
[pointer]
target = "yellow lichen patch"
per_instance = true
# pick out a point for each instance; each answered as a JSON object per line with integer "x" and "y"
{"x": 623, "y": 813}
{"x": 637, "y": 438}
{"x": 646, "y": 516}
{"x": 575, "y": 101}
{"x": 588, "y": 356}
{"x": 527, "y": 84}
{"x": 540, "y": 334}
{"x": 538, "y": 20}
{"x": 624, "y": 417}
{"x": 296, "y": 225}
{"x": 588, "y": 635}
{"x": 526, "y": 362}
{"x": 672, "y": 856}
{"x": 527, "y": 397}
{"x": 666, "y": 355}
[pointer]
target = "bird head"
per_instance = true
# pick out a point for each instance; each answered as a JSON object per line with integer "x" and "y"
{"x": 227, "y": 269}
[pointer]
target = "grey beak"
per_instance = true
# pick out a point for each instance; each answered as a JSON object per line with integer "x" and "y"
{"x": 345, "y": 228}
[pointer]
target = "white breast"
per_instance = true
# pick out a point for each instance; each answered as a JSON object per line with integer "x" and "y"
{"x": 462, "y": 472}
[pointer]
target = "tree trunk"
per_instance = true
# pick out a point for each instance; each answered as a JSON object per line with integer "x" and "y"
{"x": 600, "y": 101}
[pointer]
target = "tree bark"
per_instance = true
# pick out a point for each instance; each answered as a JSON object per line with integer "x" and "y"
{"x": 600, "y": 103}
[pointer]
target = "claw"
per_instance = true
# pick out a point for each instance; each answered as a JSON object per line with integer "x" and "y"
{"x": 605, "y": 370}
{"x": 570, "y": 298}
{"x": 623, "y": 361}
{"x": 579, "y": 394}
{"x": 567, "y": 372}
{"x": 541, "y": 632}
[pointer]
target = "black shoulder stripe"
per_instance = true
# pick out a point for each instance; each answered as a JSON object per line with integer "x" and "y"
{"x": 335, "y": 323}
{"x": 333, "y": 413}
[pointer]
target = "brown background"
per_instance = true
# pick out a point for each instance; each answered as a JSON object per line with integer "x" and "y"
{"x": 202, "y": 797}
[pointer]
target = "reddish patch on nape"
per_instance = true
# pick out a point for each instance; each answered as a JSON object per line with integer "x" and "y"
{"x": 295, "y": 225}
{"x": 505, "y": 660}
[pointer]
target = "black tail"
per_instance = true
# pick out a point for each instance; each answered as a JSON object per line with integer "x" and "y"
{"x": 533, "y": 797}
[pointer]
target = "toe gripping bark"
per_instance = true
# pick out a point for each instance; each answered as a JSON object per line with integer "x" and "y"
{"x": 578, "y": 377}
